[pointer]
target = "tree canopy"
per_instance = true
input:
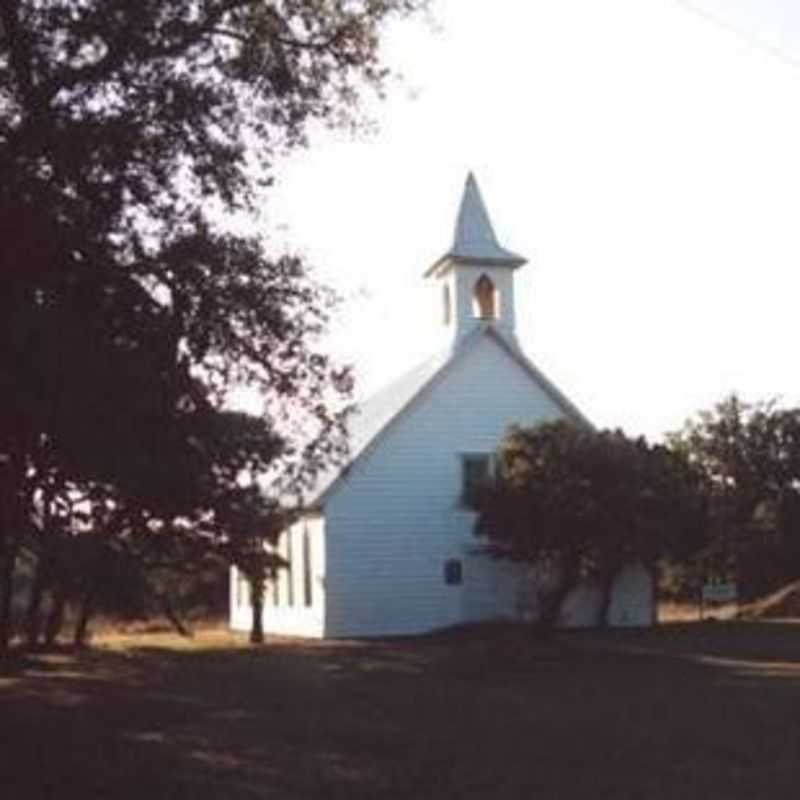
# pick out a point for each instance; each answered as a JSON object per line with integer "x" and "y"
{"x": 579, "y": 503}
{"x": 750, "y": 457}
{"x": 129, "y": 135}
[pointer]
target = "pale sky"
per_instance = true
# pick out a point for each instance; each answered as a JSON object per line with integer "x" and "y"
{"x": 644, "y": 155}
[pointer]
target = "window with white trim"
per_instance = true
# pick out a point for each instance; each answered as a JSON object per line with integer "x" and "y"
{"x": 308, "y": 598}
{"x": 477, "y": 472}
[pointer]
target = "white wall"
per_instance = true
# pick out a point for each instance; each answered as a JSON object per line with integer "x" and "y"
{"x": 632, "y": 601}
{"x": 379, "y": 554}
{"x": 295, "y": 618}
{"x": 396, "y": 518}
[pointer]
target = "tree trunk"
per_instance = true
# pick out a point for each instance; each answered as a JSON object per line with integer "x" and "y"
{"x": 55, "y": 619}
{"x": 11, "y": 516}
{"x": 607, "y": 579}
{"x": 8, "y": 561}
{"x": 33, "y": 616}
{"x": 551, "y": 611}
{"x": 172, "y": 616}
{"x": 95, "y": 573}
{"x": 85, "y": 613}
{"x": 257, "y": 603}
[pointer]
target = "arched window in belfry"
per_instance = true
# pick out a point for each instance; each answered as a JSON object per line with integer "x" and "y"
{"x": 485, "y": 305}
{"x": 447, "y": 305}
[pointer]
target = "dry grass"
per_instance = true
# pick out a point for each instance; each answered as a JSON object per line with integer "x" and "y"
{"x": 687, "y": 711}
{"x": 690, "y": 612}
{"x": 781, "y": 604}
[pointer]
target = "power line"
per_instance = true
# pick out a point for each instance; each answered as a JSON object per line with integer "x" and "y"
{"x": 751, "y": 39}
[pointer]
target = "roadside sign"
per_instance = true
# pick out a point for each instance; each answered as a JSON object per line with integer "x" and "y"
{"x": 713, "y": 594}
{"x": 719, "y": 593}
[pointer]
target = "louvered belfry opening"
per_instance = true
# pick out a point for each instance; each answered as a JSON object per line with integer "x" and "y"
{"x": 485, "y": 298}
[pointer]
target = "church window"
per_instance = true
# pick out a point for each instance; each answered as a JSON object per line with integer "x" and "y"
{"x": 289, "y": 570}
{"x": 485, "y": 305}
{"x": 476, "y": 474}
{"x": 307, "y": 585}
{"x": 447, "y": 305}
{"x": 242, "y": 590}
{"x": 276, "y": 588}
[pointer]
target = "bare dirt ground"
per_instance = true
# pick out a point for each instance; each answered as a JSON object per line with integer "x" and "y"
{"x": 684, "y": 711}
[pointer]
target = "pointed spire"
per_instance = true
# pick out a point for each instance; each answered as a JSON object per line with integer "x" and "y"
{"x": 475, "y": 240}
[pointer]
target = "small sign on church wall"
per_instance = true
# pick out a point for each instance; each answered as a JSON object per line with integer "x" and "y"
{"x": 453, "y": 573}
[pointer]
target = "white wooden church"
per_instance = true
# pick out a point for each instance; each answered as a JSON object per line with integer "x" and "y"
{"x": 387, "y": 547}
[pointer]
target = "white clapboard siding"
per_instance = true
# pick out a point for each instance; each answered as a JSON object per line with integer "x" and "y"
{"x": 396, "y": 519}
{"x": 631, "y": 605}
{"x": 393, "y": 518}
{"x": 633, "y": 601}
{"x": 293, "y": 615}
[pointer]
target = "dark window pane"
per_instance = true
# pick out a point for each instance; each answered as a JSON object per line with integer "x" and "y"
{"x": 290, "y": 568}
{"x": 453, "y": 573}
{"x": 307, "y": 568}
{"x": 475, "y": 475}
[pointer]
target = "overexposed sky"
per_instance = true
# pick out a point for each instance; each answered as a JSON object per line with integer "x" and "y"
{"x": 643, "y": 154}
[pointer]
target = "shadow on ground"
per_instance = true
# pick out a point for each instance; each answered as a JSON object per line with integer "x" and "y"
{"x": 685, "y": 712}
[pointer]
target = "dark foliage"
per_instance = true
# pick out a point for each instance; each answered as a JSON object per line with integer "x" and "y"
{"x": 750, "y": 456}
{"x": 583, "y": 504}
{"x": 129, "y": 133}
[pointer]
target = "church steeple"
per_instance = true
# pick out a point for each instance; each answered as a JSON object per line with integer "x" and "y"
{"x": 476, "y": 272}
{"x": 475, "y": 239}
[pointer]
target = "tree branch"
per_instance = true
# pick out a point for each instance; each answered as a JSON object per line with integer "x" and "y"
{"x": 19, "y": 50}
{"x": 124, "y": 45}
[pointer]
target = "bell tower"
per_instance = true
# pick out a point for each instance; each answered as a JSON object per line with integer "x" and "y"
{"x": 476, "y": 274}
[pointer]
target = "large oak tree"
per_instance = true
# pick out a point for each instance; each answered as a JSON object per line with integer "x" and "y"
{"x": 582, "y": 504}
{"x": 129, "y": 133}
{"x": 750, "y": 456}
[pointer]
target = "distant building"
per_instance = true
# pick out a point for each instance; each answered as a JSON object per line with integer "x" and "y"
{"x": 388, "y": 546}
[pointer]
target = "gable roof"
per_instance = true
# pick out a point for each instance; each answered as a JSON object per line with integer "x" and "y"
{"x": 372, "y": 415}
{"x": 376, "y": 415}
{"x": 475, "y": 240}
